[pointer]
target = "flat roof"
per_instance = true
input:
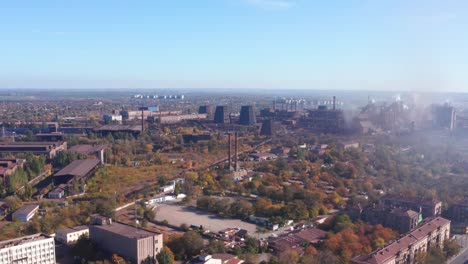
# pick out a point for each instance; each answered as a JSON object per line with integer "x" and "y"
{"x": 22, "y": 240}
{"x": 30, "y": 143}
{"x": 134, "y": 128}
{"x": 27, "y": 208}
{"x": 73, "y": 229}
{"x": 126, "y": 230}
{"x": 78, "y": 168}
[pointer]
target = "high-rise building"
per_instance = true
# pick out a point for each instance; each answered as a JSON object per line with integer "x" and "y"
{"x": 247, "y": 116}
{"x": 38, "y": 248}
{"x": 221, "y": 114}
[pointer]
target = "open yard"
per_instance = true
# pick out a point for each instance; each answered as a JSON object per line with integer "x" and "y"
{"x": 177, "y": 214}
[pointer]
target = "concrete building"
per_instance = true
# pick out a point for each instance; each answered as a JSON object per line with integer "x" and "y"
{"x": 113, "y": 119}
{"x": 50, "y": 149}
{"x": 26, "y": 212}
{"x": 397, "y": 219}
{"x": 127, "y": 241}
{"x": 71, "y": 235}
{"x": 37, "y": 248}
{"x": 247, "y": 116}
{"x": 114, "y": 129}
{"x": 173, "y": 119}
{"x": 428, "y": 207}
{"x": 458, "y": 213}
{"x": 57, "y": 193}
{"x": 432, "y": 232}
{"x": 219, "y": 258}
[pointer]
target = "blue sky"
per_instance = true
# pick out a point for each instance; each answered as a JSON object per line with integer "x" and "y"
{"x": 416, "y": 45}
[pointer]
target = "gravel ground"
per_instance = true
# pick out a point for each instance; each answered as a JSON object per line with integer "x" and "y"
{"x": 177, "y": 214}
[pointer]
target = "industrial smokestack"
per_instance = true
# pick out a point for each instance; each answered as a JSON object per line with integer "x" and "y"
{"x": 142, "y": 121}
{"x": 334, "y": 102}
{"x": 229, "y": 151}
{"x": 236, "y": 151}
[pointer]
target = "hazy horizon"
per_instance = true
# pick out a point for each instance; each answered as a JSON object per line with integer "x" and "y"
{"x": 253, "y": 44}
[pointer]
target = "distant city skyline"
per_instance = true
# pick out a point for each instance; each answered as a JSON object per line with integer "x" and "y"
{"x": 264, "y": 44}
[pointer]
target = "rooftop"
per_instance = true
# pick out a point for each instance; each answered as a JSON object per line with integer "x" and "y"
{"x": 126, "y": 230}
{"x": 27, "y": 208}
{"x": 22, "y": 240}
{"x": 78, "y": 168}
{"x": 391, "y": 250}
{"x": 69, "y": 230}
{"x": 134, "y": 128}
{"x": 402, "y": 198}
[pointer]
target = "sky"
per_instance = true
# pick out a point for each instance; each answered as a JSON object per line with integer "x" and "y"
{"x": 415, "y": 45}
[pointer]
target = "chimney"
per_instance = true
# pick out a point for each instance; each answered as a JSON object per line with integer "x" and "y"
{"x": 229, "y": 151}
{"x": 235, "y": 150}
{"x": 334, "y": 102}
{"x": 142, "y": 121}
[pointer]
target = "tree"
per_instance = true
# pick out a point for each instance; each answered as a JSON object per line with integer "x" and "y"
{"x": 451, "y": 248}
{"x": 13, "y": 202}
{"x": 165, "y": 256}
{"x": 193, "y": 243}
{"x": 251, "y": 245}
{"x": 216, "y": 246}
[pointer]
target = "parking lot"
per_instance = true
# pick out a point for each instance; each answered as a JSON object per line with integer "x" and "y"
{"x": 177, "y": 215}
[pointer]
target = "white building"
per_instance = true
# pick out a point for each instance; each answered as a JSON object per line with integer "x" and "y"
{"x": 37, "y": 248}
{"x": 71, "y": 235}
{"x": 26, "y": 212}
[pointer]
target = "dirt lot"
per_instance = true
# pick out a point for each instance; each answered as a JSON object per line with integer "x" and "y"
{"x": 177, "y": 214}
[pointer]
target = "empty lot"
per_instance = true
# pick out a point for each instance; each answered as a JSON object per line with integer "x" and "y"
{"x": 177, "y": 214}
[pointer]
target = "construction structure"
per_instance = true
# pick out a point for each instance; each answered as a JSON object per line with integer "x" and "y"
{"x": 75, "y": 174}
{"x": 49, "y": 149}
{"x": 205, "y": 109}
{"x": 444, "y": 116}
{"x": 267, "y": 128}
{"x": 247, "y": 116}
{"x": 325, "y": 120}
{"x": 221, "y": 115}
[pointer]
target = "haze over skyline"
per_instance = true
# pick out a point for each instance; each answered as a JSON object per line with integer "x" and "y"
{"x": 269, "y": 44}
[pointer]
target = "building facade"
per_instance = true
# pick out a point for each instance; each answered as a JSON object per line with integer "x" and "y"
{"x": 37, "y": 248}
{"x": 428, "y": 207}
{"x": 127, "y": 241}
{"x": 433, "y": 232}
{"x": 71, "y": 235}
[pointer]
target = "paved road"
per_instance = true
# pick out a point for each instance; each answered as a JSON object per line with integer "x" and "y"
{"x": 462, "y": 258}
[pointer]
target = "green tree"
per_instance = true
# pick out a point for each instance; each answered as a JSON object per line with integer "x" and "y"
{"x": 193, "y": 243}
{"x": 164, "y": 257}
{"x": 216, "y": 246}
